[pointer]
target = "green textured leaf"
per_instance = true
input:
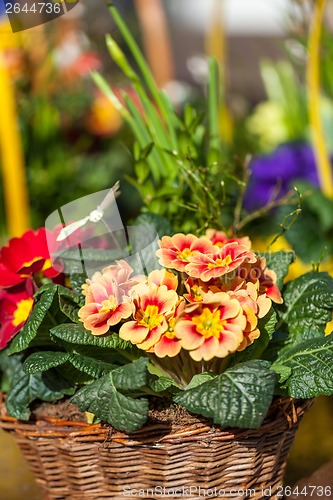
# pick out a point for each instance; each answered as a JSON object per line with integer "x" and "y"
{"x": 30, "y": 329}
{"x": 27, "y": 388}
{"x": 77, "y": 280}
{"x": 279, "y": 262}
{"x": 199, "y": 379}
{"x": 70, "y": 303}
{"x": 77, "y": 334}
{"x": 160, "y": 223}
{"x": 266, "y": 326}
{"x": 44, "y": 360}
{"x": 103, "y": 399}
{"x": 311, "y": 366}
{"x": 162, "y": 384}
{"x": 309, "y": 303}
{"x": 238, "y": 397}
{"x": 282, "y": 371}
{"x": 92, "y": 366}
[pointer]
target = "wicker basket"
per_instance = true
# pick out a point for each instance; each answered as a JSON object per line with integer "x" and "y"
{"x": 80, "y": 461}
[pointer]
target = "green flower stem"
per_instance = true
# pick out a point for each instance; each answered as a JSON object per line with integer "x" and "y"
{"x": 144, "y": 68}
{"x": 153, "y": 121}
{"x": 214, "y": 149}
{"x": 144, "y": 138}
{"x": 104, "y": 87}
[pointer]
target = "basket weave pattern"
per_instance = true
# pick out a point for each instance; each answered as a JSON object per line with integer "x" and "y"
{"x": 73, "y": 460}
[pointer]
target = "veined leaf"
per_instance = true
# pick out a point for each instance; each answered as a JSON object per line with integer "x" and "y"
{"x": 30, "y": 329}
{"x": 26, "y": 388}
{"x": 309, "y": 304}
{"x": 311, "y": 368}
{"x": 92, "y": 366}
{"x": 44, "y": 360}
{"x": 77, "y": 334}
{"x": 103, "y": 399}
{"x": 238, "y": 397}
{"x": 199, "y": 379}
{"x": 77, "y": 280}
{"x": 266, "y": 326}
{"x": 162, "y": 384}
{"x": 70, "y": 303}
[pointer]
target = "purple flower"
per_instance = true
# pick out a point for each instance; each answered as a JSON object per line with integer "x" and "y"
{"x": 288, "y": 163}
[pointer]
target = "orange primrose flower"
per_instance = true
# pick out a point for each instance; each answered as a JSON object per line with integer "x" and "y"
{"x": 104, "y": 305}
{"x": 169, "y": 344}
{"x": 175, "y": 251}
{"x": 212, "y": 328}
{"x": 257, "y": 272}
{"x": 163, "y": 277}
{"x": 219, "y": 239}
{"x": 225, "y": 260}
{"x": 151, "y": 306}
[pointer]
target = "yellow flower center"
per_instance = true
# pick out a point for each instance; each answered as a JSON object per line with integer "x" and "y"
{"x": 22, "y": 312}
{"x": 197, "y": 293}
{"x": 109, "y": 304}
{"x": 170, "y": 333}
{"x": 209, "y": 323}
{"x": 150, "y": 317}
{"x": 221, "y": 262}
{"x": 185, "y": 254}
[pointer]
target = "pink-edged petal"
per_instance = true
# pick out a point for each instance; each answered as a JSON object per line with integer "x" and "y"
{"x": 88, "y": 310}
{"x": 187, "y": 333}
{"x": 163, "y": 277}
{"x": 274, "y": 293}
{"x": 167, "y": 347}
{"x": 133, "y": 332}
{"x": 228, "y": 343}
{"x": 124, "y": 311}
{"x": 183, "y": 241}
{"x": 264, "y": 305}
{"x": 153, "y": 337}
{"x": 206, "y": 351}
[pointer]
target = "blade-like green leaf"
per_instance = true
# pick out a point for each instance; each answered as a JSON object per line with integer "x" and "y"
{"x": 44, "y": 360}
{"x": 30, "y": 329}
{"x": 238, "y": 397}
{"x": 77, "y": 334}
{"x": 103, "y": 399}
{"x": 311, "y": 368}
{"x": 309, "y": 304}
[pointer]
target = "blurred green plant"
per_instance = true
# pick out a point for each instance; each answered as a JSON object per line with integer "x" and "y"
{"x": 179, "y": 163}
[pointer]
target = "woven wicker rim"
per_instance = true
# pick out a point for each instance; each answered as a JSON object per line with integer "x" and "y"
{"x": 282, "y": 411}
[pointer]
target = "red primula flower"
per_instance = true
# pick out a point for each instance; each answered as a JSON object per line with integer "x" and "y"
{"x": 15, "y": 307}
{"x": 24, "y": 257}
